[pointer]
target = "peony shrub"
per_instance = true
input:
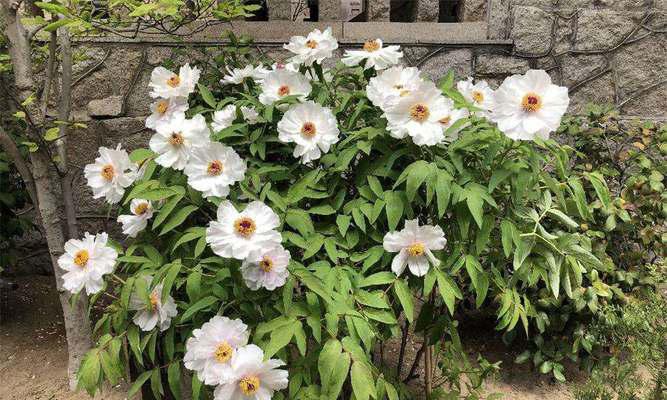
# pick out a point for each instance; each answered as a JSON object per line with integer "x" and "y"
{"x": 287, "y": 220}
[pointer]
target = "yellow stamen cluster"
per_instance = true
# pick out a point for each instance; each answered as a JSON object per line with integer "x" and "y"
{"x": 477, "y": 96}
{"x": 249, "y": 385}
{"x": 245, "y": 227}
{"x": 311, "y": 44}
{"x": 283, "y": 91}
{"x": 141, "y": 209}
{"x": 266, "y": 264}
{"x": 416, "y": 249}
{"x": 371, "y": 46}
{"x": 308, "y": 130}
{"x": 531, "y": 102}
{"x": 108, "y": 172}
{"x": 223, "y": 352}
{"x": 81, "y": 258}
{"x": 162, "y": 106}
{"x": 176, "y": 139}
{"x": 155, "y": 300}
{"x": 174, "y": 81}
{"x": 419, "y": 112}
{"x": 215, "y": 168}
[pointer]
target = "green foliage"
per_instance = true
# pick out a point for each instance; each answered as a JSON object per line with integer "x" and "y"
{"x": 13, "y": 199}
{"x": 630, "y": 157}
{"x": 520, "y": 219}
{"x": 165, "y": 15}
{"x": 635, "y": 335}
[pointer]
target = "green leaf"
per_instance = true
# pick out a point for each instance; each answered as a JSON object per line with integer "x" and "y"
{"x": 507, "y": 233}
{"x": 343, "y": 222}
{"x": 359, "y": 219}
{"x": 135, "y": 345}
{"x": 322, "y": 210}
{"x": 442, "y": 192}
{"x": 563, "y": 218}
{"x": 52, "y": 134}
{"x": 478, "y": 277}
{"x": 168, "y": 281}
{"x": 156, "y": 384}
{"x": 363, "y": 384}
{"x": 137, "y": 384}
{"x": 376, "y": 299}
{"x": 601, "y": 189}
{"x": 207, "y": 96}
{"x": 190, "y": 235}
{"x": 327, "y": 360}
{"x": 144, "y": 9}
{"x": 476, "y": 206}
{"x": 300, "y": 220}
{"x": 375, "y": 185}
{"x": 418, "y": 171}
{"x": 178, "y": 219}
{"x": 174, "y": 379}
{"x": 405, "y": 297}
{"x": 393, "y": 208}
{"x": 200, "y": 305}
{"x": 384, "y": 316}
{"x": 448, "y": 290}
{"x": 89, "y": 372}
{"x": 379, "y": 278}
{"x": 280, "y": 338}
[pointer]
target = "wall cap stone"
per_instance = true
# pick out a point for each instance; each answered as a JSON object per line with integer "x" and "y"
{"x": 278, "y": 32}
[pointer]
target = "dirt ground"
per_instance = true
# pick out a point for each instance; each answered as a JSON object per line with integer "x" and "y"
{"x": 33, "y": 356}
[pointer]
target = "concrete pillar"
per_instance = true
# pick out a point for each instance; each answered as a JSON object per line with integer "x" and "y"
{"x": 427, "y": 10}
{"x": 378, "y": 10}
{"x": 279, "y": 10}
{"x": 329, "y": 10}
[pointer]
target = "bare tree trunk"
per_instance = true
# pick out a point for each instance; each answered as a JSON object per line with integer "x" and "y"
{"x": 52, "y": 190}
{"x": 77, "y": 324}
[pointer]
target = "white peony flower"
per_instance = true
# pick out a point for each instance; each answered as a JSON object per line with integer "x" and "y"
{"x": 166, "y": 84}
{"x": 419, "y": 114}
{"x": 250, "y": 115}
{"x": 236, "y": 76}
{"x": 450, "y": 117}
{"x": 266, "y": 268}
{"x": 386, "y": 88}
{"x": 212, "y": 169}
{"x": 290, "y": 66}
{"x": 86, "y": 262}
{"x": 312, "y": 127}
{"x": 211, "y": 348}
{"x": 175, "y": 140}
{"x": 236, "y": 234}
{"x": 414, "y": 245}
{"x": 110, "y": 174}
{"x": 283, "y": 82}
{"x": 223, "y": 118}
{"x": 154, "y": 313}
{"x": 479, "y": 94}
{"x": 253, "y": 378}
{"x": 529, "y": 106}
{"x": 142, "y": 211}
{"x": 164, "y": 110}
{"x": 313, "y": 48}
{"x": 375, "y": 55}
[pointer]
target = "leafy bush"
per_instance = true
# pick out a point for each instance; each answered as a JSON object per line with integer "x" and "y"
{"x": 513, "y": 213}
{"x": 635, "y": 366}
{"x": 13, "y": 198}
